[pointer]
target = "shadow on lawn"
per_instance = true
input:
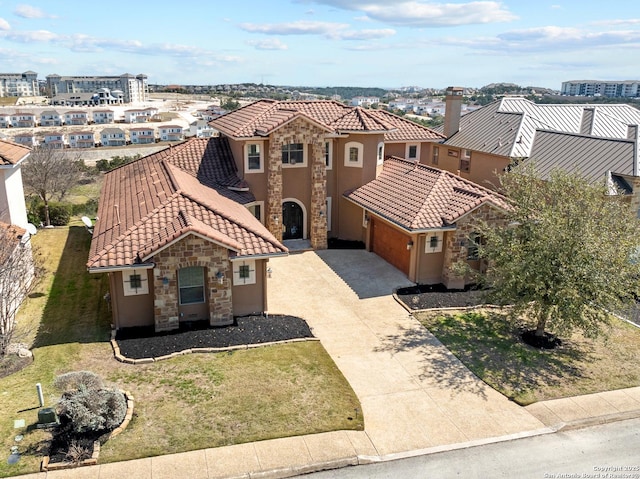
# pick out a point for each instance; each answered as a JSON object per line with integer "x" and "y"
{"x": 76, "y": 310}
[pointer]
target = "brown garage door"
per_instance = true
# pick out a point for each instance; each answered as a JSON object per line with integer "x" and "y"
{"x": 391, "y": 245}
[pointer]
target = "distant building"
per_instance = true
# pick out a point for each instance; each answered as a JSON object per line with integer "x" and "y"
{"x": 19, "y": 84}
{"x": 365, "y": 100}
{"x": 625, "y": 89}
{"x": 82, "y": 139}
{"x": 142, "y": 135}
{"x": 113, "y": 137}
{"x": 133, "y": 88}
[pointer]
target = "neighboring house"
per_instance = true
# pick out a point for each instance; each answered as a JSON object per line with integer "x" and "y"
{"x": 171, "y": 133}
{"x": 299, "y": 157}
{"x": 103, "y": 116}
{"x": 76, "y": 117}
{"x": 5, "y": 120}
{"x": 598, "y": 141}
{"x": 142, "y": 135}
{"x": 22, "y": 119}
{"x": 55, "y": 140}
{"x": 139, "y": 115}
{"x": 202, "y": 129}
{"x": 82, "y": 139}
{"x": 365, "y": 100}
{"x": 178, "y": 241}
{"x": 113, "y": 137}
{"x": 26, "y": 139}
{"x": 12, "y": 206}
{"x": 51, "y": 118}
{"x": 421, "y": 219}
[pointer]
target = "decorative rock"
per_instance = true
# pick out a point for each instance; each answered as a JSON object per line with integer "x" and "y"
{"x": 24, "y": 353}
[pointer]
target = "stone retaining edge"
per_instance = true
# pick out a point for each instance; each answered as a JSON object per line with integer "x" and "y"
{"x": 123, "y": 359}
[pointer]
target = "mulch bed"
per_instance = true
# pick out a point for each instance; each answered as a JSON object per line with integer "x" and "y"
{"x": 143, "y": 342}
{"x": 424, "y": 296}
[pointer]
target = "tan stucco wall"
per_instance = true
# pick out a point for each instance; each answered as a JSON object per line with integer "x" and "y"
{"x": 484, "y": 168}
{"x": 251, "y": 298}
{"x": 130, "y": 311}
{"x": 429, "y": 267}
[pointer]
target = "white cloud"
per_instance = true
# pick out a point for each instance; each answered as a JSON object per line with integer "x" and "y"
{"x": 418, "y": 13}
{"x": 27, "y": 11}
{"x": 627, "y": 21}
{"x": 301, "y": 27}
{"x": 4, "y": 25}
{"x": 268, "y": 44}
{"x": 364, "y": 34}
{"x": 31, "y": 36}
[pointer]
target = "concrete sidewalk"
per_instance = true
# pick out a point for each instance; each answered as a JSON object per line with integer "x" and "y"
{"x": 417, "y": 398}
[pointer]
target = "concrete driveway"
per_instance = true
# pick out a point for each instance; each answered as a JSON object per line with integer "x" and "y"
{"x": 414, "y": 393}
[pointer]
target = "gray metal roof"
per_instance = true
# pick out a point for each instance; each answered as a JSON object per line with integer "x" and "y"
{"x": 591, "y": 157}
{"x": 590, "y": 138}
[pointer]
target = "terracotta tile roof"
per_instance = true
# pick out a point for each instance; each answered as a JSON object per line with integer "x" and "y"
{"x": 149, "y": 203}
{"x": 264, "y": 116}
{"x": 419, "y": 197}
{"x": 11, "y": 153}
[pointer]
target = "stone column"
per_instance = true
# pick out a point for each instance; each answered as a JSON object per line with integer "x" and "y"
{"x": 318, "y": 234}
{"x": 274, "y": 187}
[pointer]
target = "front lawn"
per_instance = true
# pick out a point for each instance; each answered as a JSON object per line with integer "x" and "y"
{"x": 489, "y": 344}
{"x": 190, "y": 402}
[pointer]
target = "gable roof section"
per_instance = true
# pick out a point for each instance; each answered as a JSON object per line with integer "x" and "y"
{"x": 150, "y": 203}
{"x": 265, "y": 116}
{"x": 417, "y": 197}
{"x": 12, "y": 153}
{"x": 589, "y": 156}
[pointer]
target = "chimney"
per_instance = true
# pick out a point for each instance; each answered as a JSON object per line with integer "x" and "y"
{"x": 453, "y": 109}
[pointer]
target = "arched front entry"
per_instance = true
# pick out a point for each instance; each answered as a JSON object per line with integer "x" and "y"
{"x": 292, "y": 220}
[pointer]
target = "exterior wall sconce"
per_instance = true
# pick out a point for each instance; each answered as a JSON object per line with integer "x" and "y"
{"x": 321, "y": 213}
{"x": 410, "y": 244}
{"x": 220, "y": 277}
{"x": 165, "y": 281}
{"x": 269, "y": 272}
{"x": 275, "y": 219}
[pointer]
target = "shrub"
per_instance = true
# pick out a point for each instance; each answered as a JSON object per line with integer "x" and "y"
{"x": 75, "y": 380}
{"x": 89, "y": 208}
{"x": 59, "y": 214}
{"x": 92, "y": 410}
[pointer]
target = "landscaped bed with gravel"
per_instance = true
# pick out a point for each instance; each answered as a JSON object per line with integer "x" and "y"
{"x": 143, "y": 342}
{"x": 423, "y": 296}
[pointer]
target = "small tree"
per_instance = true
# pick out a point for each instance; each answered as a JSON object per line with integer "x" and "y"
{"x": 49, "y": 174}
{"x": 18, "y": 277}
{"x": 568, "y": 255}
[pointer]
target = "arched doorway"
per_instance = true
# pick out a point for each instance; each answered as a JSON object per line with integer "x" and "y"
{"x": 292, "y": 220}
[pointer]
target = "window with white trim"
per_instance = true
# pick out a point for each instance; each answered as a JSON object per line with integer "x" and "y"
{"x": 353, "y": 153}
{"x": 294, "y": 154}
{"x": 328, "y": 154}
{"x": 380, "y": 154}
{"x": 135, "y": 282}
{"x": 253, "y": 157}
{"x": 436, "y": 155}
{"x": 244, "y": 272}
{"x": 413, "y": 151}
{"x": 257, "y": 209}
{"x": 433, "y": 243}
{"x": 191, "y": 285}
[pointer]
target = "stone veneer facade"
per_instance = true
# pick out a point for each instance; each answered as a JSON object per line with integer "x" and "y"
{"x": 298, "y": 131}
{"x": 455, "y": 248}
{"x": 191, "y": 251}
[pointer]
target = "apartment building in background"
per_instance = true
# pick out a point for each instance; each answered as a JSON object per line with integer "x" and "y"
{"x": 134, "y": 88}
{"x": 614, "y": 89}
{"x": 19, "y": 84}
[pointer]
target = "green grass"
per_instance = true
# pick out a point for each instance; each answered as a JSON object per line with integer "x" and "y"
{"x": 489, "y": 344}
{"x": 190, "y": 402}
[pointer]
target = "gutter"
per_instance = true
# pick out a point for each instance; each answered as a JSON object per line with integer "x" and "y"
{"x": 111, "y": 269}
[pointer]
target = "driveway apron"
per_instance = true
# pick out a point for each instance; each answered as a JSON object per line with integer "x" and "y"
{"x": 414, "y": 393}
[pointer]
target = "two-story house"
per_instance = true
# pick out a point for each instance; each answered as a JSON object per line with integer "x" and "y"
{"x": 55, "y": 140}
{"x": 51, "y": 118}
{"x": 82, "y": 139}
{"x": 103, "y": 116}
{"x": 113, "y": 137}
{"x": 299, "y": 157}
{"x": 26, "y": 139}
{"x": 142, "y": 135}
{"x": 23, "y": 119}
{"x": 5, "y": 119}
{"x": 598, "y": 141}
{"x": 171, "y": 133}
{"x": 139, "y": 115}
{"x": 76, "y": 117}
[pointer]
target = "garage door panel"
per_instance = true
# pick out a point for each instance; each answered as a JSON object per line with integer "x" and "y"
{"x": 391, "y": 245}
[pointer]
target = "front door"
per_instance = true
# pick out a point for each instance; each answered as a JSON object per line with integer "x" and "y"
{"x": 292, "y": 220}
{"x": 192, "y": 294}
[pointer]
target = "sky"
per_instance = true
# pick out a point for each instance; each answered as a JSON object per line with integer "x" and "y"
{"x": 324, "y": 43}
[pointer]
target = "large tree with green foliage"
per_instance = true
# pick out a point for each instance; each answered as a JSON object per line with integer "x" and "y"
{"x": 567, "y": 255}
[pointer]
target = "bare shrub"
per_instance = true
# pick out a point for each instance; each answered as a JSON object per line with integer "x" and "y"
{"x": 77, "y": 453}
{"x": 92, "y": 410}
{"x": 76, "y": 380}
